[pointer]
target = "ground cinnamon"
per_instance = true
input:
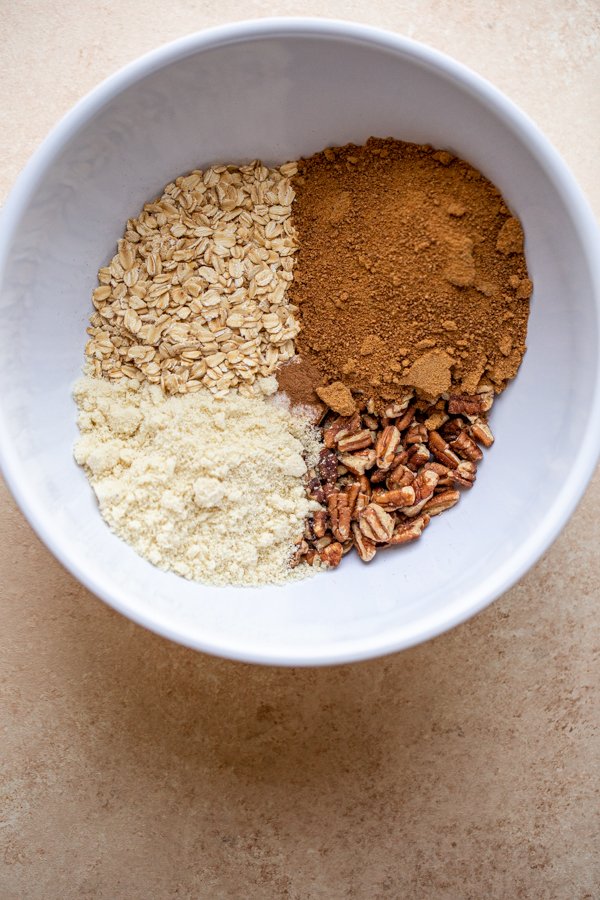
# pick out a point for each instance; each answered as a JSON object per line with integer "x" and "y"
{"x": 410, "y": 272}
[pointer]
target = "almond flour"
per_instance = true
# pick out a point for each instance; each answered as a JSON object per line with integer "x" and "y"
{"x": 210, "y": 488}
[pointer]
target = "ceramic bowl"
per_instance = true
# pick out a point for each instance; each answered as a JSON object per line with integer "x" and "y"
{"x": 278, "y": 89}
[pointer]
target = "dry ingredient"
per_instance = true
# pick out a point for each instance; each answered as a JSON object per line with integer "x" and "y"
{"x": 196, "y": 293}
{"x": 298, "y": 380}
{"x": 410, "y": 272}
{"x": 210, "y": 488}
{"x": 380, "y": 479}
{"x": 408, "y": 304}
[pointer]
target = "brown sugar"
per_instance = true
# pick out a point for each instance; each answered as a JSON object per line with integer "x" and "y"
{"x": 338, "y": 398}
{"x": 410, "y": 271}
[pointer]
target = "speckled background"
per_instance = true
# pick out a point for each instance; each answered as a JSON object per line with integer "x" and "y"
{"x": 466, "y": 768}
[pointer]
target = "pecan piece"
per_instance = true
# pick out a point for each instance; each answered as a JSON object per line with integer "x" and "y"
{"x": 406, "y": 419}
{"x": 365, "y": 548}
{"x": 362, "y": 501}
{"x": 319, "y": 523}
{"x": 327, "y": 466}
{"x": 352, "y": 442}
{"x": 397, "y": 499}
{"x": 416, "y": 434}
{"x": 352, "y": 493}
{"x": 418, "y": 455}
{"x": 444, "y": 474}
{"x": 396, "y": 408}
{"x": 441, "y": 451}
{"x": 471, "y": 404}
{"x": 441, "y": 502}
{"x": 465, "y": 473}
{"x": 370, "y": 421}
{"x": 332, "y": 554}
{"x": 339, "y": 514}
{"x": 365, "y": 485}
{"x": 358, "y": 463}
{"x": 409, "y": 531}
{"x": 299, "y": 553}
{"x": 376, "y": 524}
{"x": 343, "y": 425}
{"x": 400, "y": 477}
{"x": 466, "y": 447}
{"x": 482, "y": 432}
{"x": 425, "y": 483}
{"x": 315, "y": 491}
{"x": 452, "y": 428}
{"x": 386, "y": 446}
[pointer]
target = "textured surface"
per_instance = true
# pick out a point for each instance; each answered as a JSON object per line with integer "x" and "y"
{"x": 466, "y": 768}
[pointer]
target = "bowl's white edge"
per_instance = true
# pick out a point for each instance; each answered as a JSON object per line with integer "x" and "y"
{"x": 575, "y": 481}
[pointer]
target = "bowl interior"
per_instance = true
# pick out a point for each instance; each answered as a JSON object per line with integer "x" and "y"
{"x": 277, "y": 95}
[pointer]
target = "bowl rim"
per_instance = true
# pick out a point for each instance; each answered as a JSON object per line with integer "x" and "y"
{"x": 576, "y": 481}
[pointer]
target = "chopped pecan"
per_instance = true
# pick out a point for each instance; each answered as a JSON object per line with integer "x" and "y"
{"x": 452, "y": 428}
{"x": 315, "y": 491}
{"x": 327, "y": 466}
{"x": 386, "y": 446}
{"x": 406, "y": 419}
{"x": 299, "y": 553}
{"x": 482, "y": 432}
{"x": 409, "y": 531}
{"x": 400, "y": 459}
{"x": 396, "y": 408}
{"x": 397, "y": 499}
{"x": 416, "y": 434}
{"x": 358, "y": 463}
{"x": 486, "y": 397}
{"x": 365, "y": 548}
{"x": 441, "y": 451}
{"x": 352, "y": 442}
{"x": 343, "y": 425}
{"x": 444, "y": 474}
{"x": 339, "y": 515}
{"x": 332, "y": 554}
{"x": 352, "y": 493}
{"x": 376, "y": 524}
{"x": 439, "y": 503}
{"x": 365, "y": 485}
{"x": 471, "y": 404}
{"x": 351, "y": 425}
{"x": 320, "y": 522}
{"x": 465, "y": 473}
{"x": 418, "y": 455}
{"x": 378, "y": 476}
{"x": 466, "y": 447}
{"x": 362, "y": 501}
{"x": 370, "y": 421}
{"x": 400, "y": 477}
{"x": 323, "y": 542}
{"x": 424, "y": 484}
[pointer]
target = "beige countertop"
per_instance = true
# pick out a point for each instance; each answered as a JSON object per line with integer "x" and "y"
{"x": 465, "y": 768}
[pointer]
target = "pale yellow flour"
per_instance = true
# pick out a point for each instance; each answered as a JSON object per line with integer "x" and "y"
{"x": 210, "y": 488}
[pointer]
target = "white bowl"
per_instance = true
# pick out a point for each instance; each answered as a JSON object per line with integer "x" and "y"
{"x": 277, "y": 89}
